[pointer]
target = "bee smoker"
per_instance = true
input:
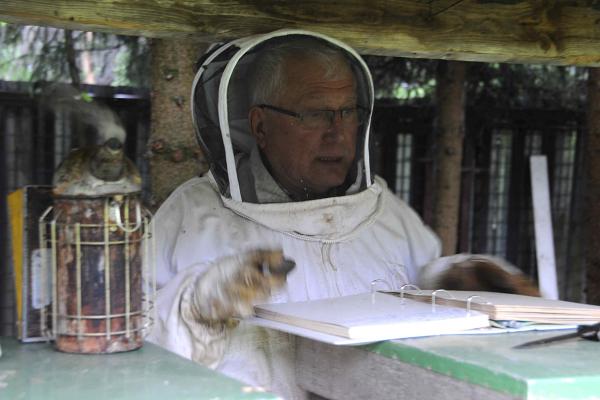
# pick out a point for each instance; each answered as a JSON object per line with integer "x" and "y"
{"x": 99, "y": 248}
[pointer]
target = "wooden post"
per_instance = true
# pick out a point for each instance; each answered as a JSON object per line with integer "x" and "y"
{"x": 592, "y": 189}
{"x": 174, "y": 153}
{"x": 449, "y": 134}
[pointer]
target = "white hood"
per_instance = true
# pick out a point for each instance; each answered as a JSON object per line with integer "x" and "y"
{"x": 220, "y": 107}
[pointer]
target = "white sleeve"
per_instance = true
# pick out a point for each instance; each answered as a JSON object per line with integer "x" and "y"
{"x": 165, "y": 227}
{"x": 173, "y": 326}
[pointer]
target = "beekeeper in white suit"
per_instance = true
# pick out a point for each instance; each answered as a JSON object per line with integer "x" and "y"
{"x": 284, "y": 120}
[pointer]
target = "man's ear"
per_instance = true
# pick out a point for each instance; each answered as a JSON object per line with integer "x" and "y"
{"x": 256, "y": 115}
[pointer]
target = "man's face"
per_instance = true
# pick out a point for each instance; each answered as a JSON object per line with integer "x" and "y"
{"x": 309, "y": 161}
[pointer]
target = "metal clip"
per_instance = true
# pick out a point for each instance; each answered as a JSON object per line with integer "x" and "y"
{"x": 470, "y": 298}
{"x": 434, "y": 293}
{"x": 374, "y": 283}
{"x": 408, "y": 286}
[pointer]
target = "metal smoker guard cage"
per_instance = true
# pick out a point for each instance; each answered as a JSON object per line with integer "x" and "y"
{"x": 102, "y": 274}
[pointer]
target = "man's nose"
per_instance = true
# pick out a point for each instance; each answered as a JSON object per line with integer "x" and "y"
{"x": 336, "y": 129}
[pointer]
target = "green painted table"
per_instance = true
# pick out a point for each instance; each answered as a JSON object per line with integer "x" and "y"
{"x": 452, "y": 367}
{"x": 37, "y": 371}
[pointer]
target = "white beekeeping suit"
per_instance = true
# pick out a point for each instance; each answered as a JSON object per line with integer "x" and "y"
{"x": 339, "y": 244}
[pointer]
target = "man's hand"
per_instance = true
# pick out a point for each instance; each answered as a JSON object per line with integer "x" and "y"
{"x": 483, "y": 274}
{"x": 232, "y": 286}
{"x": 261, "y": 272}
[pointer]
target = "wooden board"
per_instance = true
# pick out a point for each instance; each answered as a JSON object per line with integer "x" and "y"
{"x": 530, "y": 31}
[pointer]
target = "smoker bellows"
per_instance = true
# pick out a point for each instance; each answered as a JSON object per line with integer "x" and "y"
{"x": 98, "y": 236}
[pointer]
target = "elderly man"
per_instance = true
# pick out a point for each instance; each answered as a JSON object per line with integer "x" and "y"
{"x": 284, "y": 121}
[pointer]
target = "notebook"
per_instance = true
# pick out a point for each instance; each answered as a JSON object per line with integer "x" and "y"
{"x": 514, "y": 307}
{"x": 368, "y": 317}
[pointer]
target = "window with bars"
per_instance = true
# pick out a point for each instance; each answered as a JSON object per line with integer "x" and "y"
{"x": 564, "y": 168}
{"x": 63, "y": 134}
{"x": 16, "y": 127}
{"x": 496, "y": 206}
{"x": 499, "y": 192}
{"x": 526, "y": 257}
{"x": 403, "y": 165}
{"x": 565, "y": 151}
{"x": 560, "y": 146}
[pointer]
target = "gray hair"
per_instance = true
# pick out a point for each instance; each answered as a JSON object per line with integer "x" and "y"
{"x": 267, "y": 75}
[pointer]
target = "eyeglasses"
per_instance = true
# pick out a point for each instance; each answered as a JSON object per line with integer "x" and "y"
{"x": 323, "y": 119}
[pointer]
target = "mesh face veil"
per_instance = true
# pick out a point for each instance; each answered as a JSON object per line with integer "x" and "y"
{"x": 220, "y": 103}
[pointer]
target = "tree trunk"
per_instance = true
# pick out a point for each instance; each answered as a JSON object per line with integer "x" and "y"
{"x": 592, "y": 189}
{"x": 449, "y": 134}
{"x": 174, "y": 153}
{"x": 71, "y": 58}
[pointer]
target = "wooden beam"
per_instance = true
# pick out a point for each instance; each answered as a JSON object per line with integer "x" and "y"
{"x": 522, "y": 31}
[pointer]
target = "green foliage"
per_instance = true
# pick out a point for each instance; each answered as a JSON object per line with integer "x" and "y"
{"x": 527, "y": 86}
{"x": 132, "y": 63}
{"x": 491, "y": 85}
{"x": 33, "y": 53}
{"x": 85, "y": 96}
{"x": 402, "y": 79}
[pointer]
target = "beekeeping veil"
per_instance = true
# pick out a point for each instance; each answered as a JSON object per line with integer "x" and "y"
{"x": 221, "y": 101}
